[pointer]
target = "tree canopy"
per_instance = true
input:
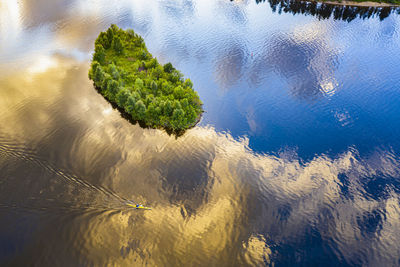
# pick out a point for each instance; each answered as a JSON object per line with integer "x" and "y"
{"x": 127, "y": 75}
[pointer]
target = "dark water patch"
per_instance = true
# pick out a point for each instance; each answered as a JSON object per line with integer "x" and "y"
{"x": 371, "y": 223}
{"x": 82, "y": 190}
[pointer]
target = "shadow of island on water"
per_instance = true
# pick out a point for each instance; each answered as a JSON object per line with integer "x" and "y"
{"x": 327, "y": 10}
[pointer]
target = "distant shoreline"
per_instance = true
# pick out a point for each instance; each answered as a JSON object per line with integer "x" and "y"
{"x": 359, "y": 4}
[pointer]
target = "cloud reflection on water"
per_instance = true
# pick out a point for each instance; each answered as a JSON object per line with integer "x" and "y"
{"x": 303, "y": 58}
{"x": 212, "y": 196}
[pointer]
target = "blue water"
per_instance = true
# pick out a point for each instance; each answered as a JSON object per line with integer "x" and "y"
{"x": 296, "y": 161}
{"x": 335, "y": 89}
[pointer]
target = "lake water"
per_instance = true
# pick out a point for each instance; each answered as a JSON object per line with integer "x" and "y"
{"x": 296, "y": 161}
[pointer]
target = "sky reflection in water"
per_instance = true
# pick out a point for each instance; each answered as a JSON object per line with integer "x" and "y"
{"x": 295, "y": 162}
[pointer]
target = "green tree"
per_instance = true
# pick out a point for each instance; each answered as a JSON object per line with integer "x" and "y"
{"x": 98, "y": 76}
{"x": 154, "y": 87}
{"x": 110, "y": 36}
{"x": 178, "y": 119}
{"x": 113, "y": 89}
{"x": 168, "y": 108}
{"x": 130, "y": 104}
{"x": 139, "y": 83}
{"x": 143, "y": 65}
{"x": 136, "y": 96}
{"x": 114, "y": 71}
{"x": 191, "y": 113}
{"x": 151, "y": 113}
{"x": 168, "y": 68}
{"x": 99, "y": 54}
{"x": 122, "y": 97}
{"x": 106, "y": 82}
{"x": 140, "y": 110}
{"x": 149, "y": 99}
{"x": 184, "y": 103}
{"x": 179, "y": 93}
{"x": 103, "y": 40}
{"x": 173, "y": 78}
{"x": 176, "y": 104}
{"x": 114, "y": 28}
{"x": 188, "y": 83}
{"x": 117, "y": 45}
{"x": 131, "y": 33}
{"x": 178, "y": 114}
{"x": 93, "y": 68}
{"x": 152, "y": 63}
{"x": 143, "y": 55}
{"x": 158, "y": 111}
{"x": 167, "y": 88}
{"x": 157, "y": 72}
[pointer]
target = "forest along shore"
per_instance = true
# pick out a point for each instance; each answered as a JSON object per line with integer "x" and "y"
{"x": 362, "y": 4}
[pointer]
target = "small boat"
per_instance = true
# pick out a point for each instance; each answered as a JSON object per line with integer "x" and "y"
{"x": 138, "y": 206}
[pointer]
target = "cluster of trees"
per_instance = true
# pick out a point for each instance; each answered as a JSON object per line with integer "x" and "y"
{"x": 126, "y": 74}
{"x": 339, "y": 12}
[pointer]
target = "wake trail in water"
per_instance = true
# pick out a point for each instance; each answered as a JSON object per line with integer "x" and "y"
{"x": 33, "y": 208}
{"x": 20, "y": 152}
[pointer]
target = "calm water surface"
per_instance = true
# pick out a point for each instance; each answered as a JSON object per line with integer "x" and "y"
{"x": 295, "y": 162}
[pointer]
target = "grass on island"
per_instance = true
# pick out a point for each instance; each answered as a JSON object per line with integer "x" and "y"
{"x": 127, "y": 75}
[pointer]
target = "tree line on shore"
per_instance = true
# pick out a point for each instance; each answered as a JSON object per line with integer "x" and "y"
{"x": 338, "y": 12}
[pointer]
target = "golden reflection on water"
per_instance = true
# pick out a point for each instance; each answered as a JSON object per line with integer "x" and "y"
{"x": 204, "y": 187}
{"x": 33, "y": 114}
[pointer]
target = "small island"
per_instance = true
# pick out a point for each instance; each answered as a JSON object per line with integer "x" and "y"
{"x": 126, "y": 74}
